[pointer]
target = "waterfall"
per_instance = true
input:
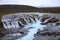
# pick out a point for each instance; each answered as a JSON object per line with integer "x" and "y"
{"x": 26, "y": 21}
{"x": 21, "y": 23}
{"x": 33, "y": 31}
{"x": 32, "y": 20}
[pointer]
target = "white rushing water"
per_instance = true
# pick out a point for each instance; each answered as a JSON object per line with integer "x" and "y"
{"x": 32, "y": 31}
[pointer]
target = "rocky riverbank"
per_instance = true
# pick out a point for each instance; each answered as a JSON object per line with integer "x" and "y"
{"x": 13, "y": 34}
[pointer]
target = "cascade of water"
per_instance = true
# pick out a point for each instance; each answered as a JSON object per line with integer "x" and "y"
{"x": 32, "y": 20}
{"x": 33, "y": 31}
{"x": 21, "y": 23}
{"x": 26, "y": 21}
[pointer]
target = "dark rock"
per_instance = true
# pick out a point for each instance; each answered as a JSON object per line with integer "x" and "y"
{"x": 53, "y": 20}
{"x": 44, "y": 17}
{"x": 42, "y": 23}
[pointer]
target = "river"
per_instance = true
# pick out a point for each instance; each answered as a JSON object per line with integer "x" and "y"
{"x": 32, "y": 31}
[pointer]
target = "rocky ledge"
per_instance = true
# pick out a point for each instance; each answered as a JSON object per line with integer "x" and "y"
{"x": 49, "y": 33}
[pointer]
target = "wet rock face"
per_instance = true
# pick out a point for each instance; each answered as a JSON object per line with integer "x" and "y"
{"x": 44, "y": 17}
{"x": 47, "y": 34}
{"x": 18, "y": 20}
{"x": 51, "y": 32}
{"x": 23, "y": 21}
{"x": 48, "y": 19}
{"x": 14, "y": 34}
